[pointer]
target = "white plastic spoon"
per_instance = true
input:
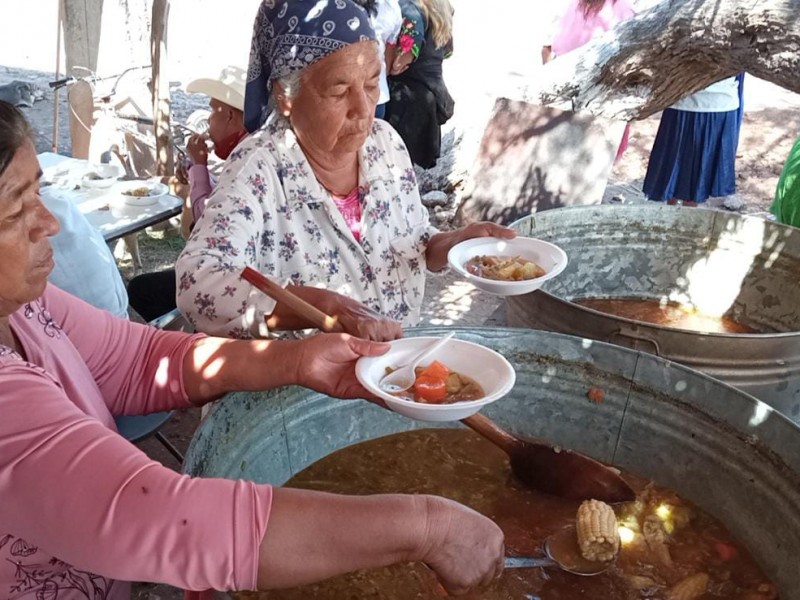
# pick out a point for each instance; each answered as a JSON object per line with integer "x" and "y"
{"x": 404, "y": 377}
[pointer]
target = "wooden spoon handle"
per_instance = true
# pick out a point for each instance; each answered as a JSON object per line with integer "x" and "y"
{"x": 491, "y": 431}
{"x": 300, "y": 307}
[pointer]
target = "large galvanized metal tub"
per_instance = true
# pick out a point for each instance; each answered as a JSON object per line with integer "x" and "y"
{"x": 719, "y": 262}
{"x": 716, "y": 446}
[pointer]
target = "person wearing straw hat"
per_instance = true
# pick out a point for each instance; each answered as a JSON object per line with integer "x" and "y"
{"x": 321, "y": 195}
{"x": 153, "y": 294}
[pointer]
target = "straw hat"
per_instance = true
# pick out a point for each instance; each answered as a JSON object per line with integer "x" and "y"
{"x": 228, "y": 87}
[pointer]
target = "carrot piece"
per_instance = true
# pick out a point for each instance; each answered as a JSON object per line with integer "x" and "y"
{"x": 436, "y": 370}
{"x": 430, "y": 390}
{"x": 725, "y": 551}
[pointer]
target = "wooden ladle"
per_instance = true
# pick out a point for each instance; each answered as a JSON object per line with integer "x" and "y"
{"x": 537, "y": 464}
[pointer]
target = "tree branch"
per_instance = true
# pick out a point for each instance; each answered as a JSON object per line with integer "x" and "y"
{"x": 671, "y": 50}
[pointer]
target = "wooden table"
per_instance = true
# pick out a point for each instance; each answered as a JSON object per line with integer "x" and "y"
{"x": 104, "y": 209}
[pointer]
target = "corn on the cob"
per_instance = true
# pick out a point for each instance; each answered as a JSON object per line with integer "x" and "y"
{"x": 689, "y": 588}
{"x": 598, "y": 536}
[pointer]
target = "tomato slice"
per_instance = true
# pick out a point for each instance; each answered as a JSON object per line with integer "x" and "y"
{"x": 430, "y": 390}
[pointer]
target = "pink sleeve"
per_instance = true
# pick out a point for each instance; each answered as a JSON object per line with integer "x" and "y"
{"x": 85, "y": 495}
{"x": 138, "y": 368}
{"x": 624, "y": 10}
{"x": 200, "y": 188}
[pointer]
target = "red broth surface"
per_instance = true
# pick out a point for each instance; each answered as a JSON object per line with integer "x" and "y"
{"x": 668, "y": 315}
{"x": 461, "y": 465}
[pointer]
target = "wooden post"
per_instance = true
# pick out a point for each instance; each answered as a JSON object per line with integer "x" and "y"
{"x": 81, "y": 22}
{"x": 160, "y": 82}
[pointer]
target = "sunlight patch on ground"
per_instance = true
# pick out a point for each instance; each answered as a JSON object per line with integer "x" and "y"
{"x": 453, "y": 303}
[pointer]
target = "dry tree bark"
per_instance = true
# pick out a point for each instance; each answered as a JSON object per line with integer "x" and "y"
{"x": 671, "y": 50}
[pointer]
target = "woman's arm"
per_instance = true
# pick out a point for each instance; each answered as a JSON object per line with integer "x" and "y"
{"x": 440, "y": 244}
{"x": 313, "y": 536}
{"x": 325, "y": 363}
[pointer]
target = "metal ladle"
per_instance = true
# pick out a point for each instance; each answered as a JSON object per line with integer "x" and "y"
{"x": 561, "y": 550}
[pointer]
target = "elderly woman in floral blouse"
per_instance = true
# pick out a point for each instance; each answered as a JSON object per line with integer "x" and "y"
{"x": 321, "y": 195}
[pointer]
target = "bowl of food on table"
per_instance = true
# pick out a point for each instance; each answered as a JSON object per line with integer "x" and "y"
{"x": 452, "y": 383}
{"x": 101, "y": 177}
{"x": 142, "y": 193}
{"x": 507, "y": 267}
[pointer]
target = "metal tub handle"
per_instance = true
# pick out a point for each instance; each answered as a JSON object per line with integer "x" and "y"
{"x": 635, "y": 336}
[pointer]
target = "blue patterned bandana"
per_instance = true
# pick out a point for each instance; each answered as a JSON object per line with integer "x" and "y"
{"x": 290, "y": 35}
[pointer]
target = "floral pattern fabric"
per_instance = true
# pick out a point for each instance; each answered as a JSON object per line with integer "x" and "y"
{"x": 270, "y": 213}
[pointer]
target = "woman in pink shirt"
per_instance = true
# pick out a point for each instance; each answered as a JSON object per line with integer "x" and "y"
{"x": 84, "y": 511}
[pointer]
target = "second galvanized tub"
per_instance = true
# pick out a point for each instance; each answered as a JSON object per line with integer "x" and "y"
{"x": 720, "y": 262}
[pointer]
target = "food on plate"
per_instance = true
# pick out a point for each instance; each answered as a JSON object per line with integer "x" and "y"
{"x": 598, "y": 534}
{"x": 93, "y": 176}
{"x": 437, "y": 384}
{"x": 504, "y": 268}
{"x": 139, "y": 192}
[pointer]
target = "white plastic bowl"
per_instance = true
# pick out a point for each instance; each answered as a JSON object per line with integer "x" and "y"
{"x": 107, "y": 174}
{"x": 156, "y": 190}
{"x": 548, "y": 256}
{"x": 491, "y": 370}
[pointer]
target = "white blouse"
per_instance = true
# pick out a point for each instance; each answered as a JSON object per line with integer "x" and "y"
{"x": 270, "y": 212}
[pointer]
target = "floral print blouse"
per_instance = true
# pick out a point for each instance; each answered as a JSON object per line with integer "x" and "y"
{"x": 269, "y": 212}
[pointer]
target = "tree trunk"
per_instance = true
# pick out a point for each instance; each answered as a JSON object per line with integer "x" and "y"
{"x": 671, "y": 50}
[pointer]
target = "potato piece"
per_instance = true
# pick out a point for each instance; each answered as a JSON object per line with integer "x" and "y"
{"x": 689, "y": 588}
{"x": 454, "y": 383}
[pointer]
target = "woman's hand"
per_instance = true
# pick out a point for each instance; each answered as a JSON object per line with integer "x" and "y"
{"x": 401, "y": 62}
{"x": 464, "y": 548}
{"x": 359, "y": 321}
{"x": 326, "y": 363}
{"x": 440, "y": 244}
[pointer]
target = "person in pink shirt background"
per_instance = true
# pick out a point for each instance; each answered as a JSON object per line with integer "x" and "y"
{"x": 582, "y": 21}
{"x": 84, "y": 511}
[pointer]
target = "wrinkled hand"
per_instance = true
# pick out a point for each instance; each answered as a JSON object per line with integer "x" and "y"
{"x": 464, "y": 548}
{"x": 487, "y": 229}
{"x": 327, "y": 363}
{"x": 360, "y": 321}
{"x": 197, "y": 149}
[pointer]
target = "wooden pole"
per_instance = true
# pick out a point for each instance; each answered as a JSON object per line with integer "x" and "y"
{"x": 160, "y": 81}
{"x": 54, "y": 141}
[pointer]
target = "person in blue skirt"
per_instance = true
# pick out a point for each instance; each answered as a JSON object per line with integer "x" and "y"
{"x": 694, "y": 153}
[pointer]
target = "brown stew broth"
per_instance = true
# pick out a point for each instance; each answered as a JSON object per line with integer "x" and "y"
{"x": 461, "y": 465}
{"x": 669, "y": 315}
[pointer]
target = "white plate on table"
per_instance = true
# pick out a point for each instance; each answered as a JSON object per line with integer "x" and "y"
{"x": 101, "y": 177}
{"x": 548, "y": 256}
{"x": 141, "y": 193}
{"x": 490, "y": 369}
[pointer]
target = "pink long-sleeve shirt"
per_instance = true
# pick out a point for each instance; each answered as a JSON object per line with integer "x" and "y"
{"x": 575, "y": 28}
{"x": 201, "y": 184}
{"x": 83, "y": 510}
